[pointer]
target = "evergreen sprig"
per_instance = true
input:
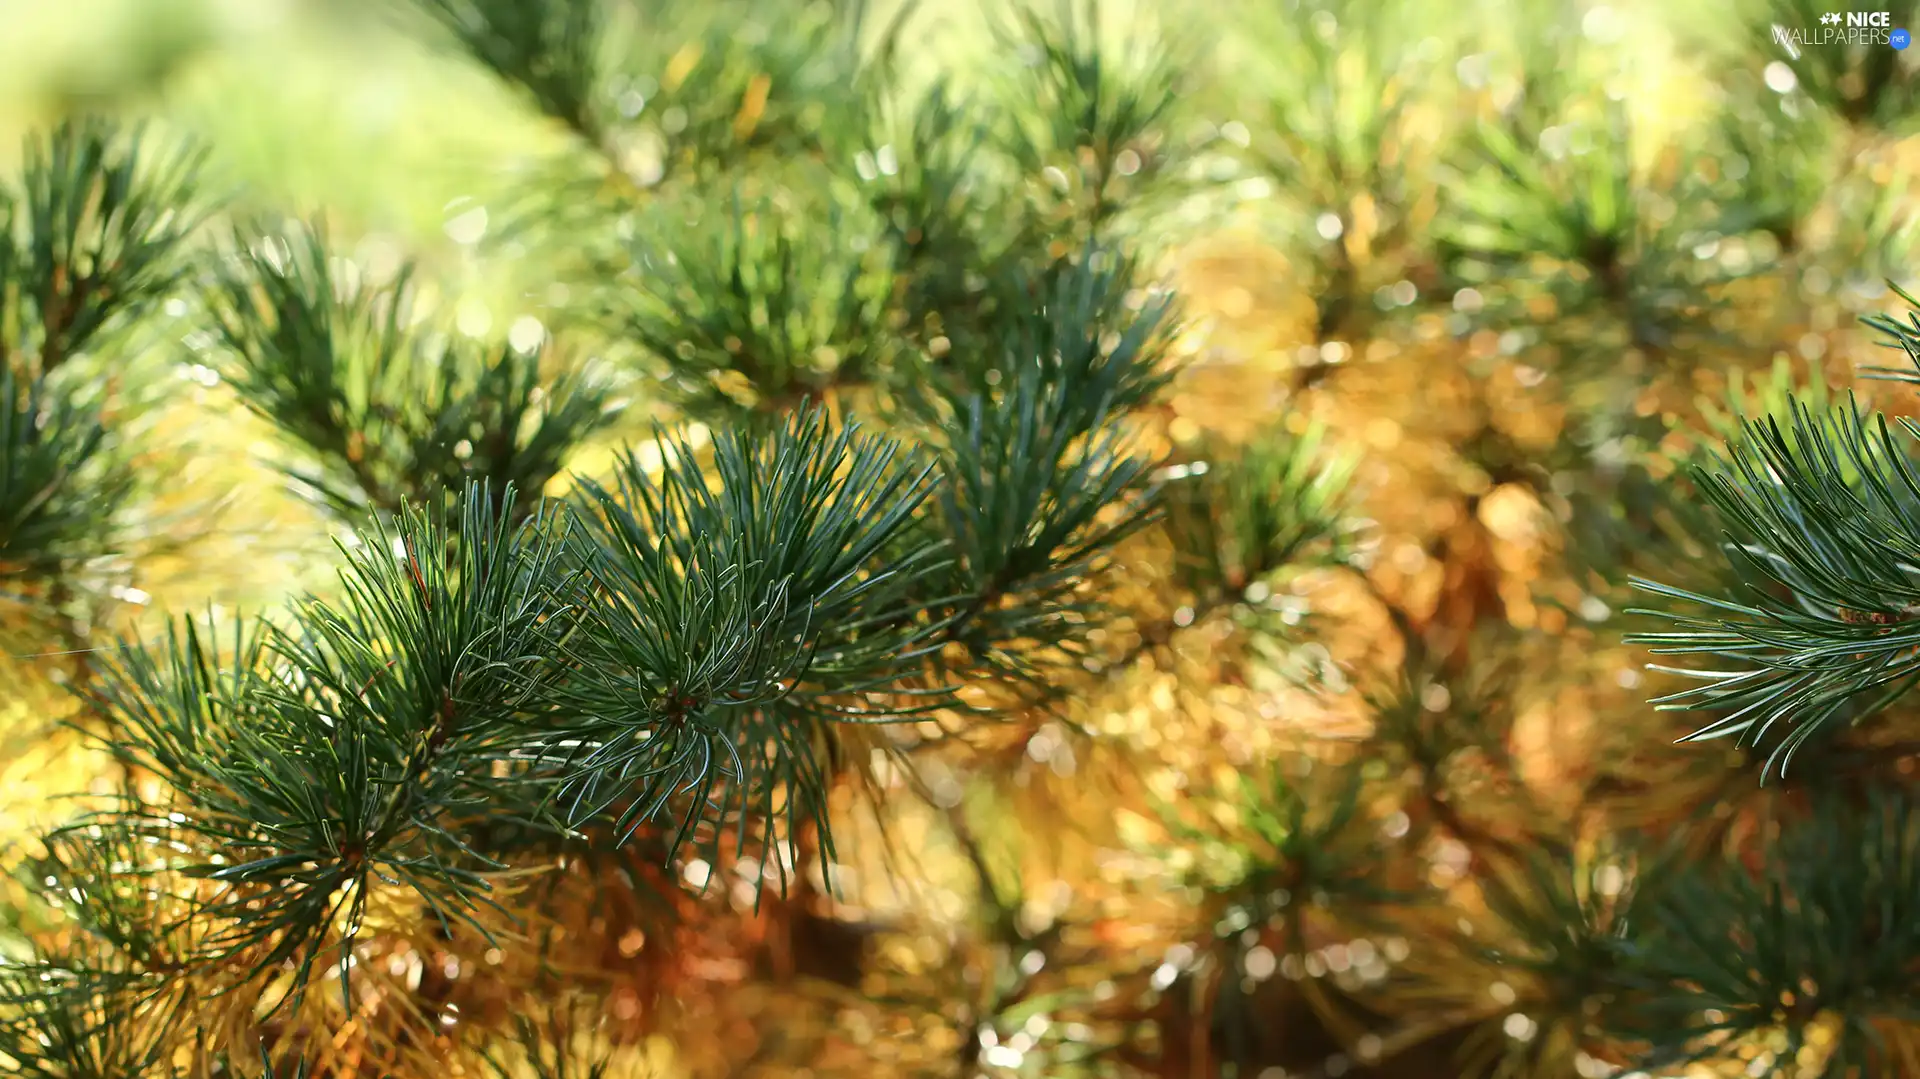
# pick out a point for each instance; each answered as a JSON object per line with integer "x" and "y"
{"x": 740, "y": 81}
{"x": 740, "y": 607}
{"x": 62, "y": 1021}
{"x": 684, "y": 652}
{"x": 1564, "y": 921}
{"x": 61, "y": 483}
{"x": 1730, "y": 950}
{"x": 1904, "y": 336}
{"x": 94, "y": 236}
{"x": 316, "y": 760}
{"x": 1552, "y": 183}
{"x": 1281, "y": 501}
{"x": 392, "y": 410}
{"x": 1819, "y": 513}
{"x": 553, "y": 50}
{"x": 758, "y": 306}
{"x": 1304, "y": 841}
{"x": 567, "y": 1039}
{"x": 1874, "y": 240}
{"x": 1337, "y": 139}
{"x": 951, "y": 216}
{"x": 1089, "y": 323}
{"x": 1089, "y": 131}
{"x": 115, "y": 888}
{"x": 101, "y": 1003}
{"x": 659, "y": 91}
{"x": 1040, "y": 474}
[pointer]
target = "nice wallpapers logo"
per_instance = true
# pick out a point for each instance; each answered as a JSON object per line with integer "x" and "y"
{"x": 1845, "y": 28}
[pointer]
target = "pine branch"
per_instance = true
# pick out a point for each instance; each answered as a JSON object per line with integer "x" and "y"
{"x": 565, "y": 1039}
{"x": 91, "y": 239}
{"x": 657, "y": 90}
{"x": 1237, "y": 518}
{"x": 1564, "y": 928}
{"x": 759, "y": 307}
{"x": 1335, "y": 90}
{"x": 1787, "y": 154}
{"x": 1621, "y": 246}
{"x": 60, "y": 483}
{"x": 1092, "y": 114}
{"x": 1029, "y": 495}
{"x": 1280, "y": 503}
{"x": 1089, "y": 322}
{"x": 101, "y": 1002}
{"x": 101, "y": 220}
{"x": 743, "y": 82}
{"x": 62, "y": 1022}
{"x": 1303, "y": 839}
{"x": 740, "y": 607}
{"x": 394, "y": 411}
{"x": 1818, "y": 938}
{"x": 1432, "y": 717}
{"x": 1305, "y": 857}
{"x": 551, "y": 49}
{"x": 345, "y": 750}
{"x": 952, "y": 218}
{"x": 1904, "y": 336}
{"x": 1819, "y": 515}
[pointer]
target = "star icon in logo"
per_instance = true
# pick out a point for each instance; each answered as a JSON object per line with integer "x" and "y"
{"x": 1831, "y": 18}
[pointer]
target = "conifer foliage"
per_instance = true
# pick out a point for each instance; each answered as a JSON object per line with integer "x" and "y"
{"x": 92, "y": 241}
{"x": 1301, "y": 746}
{"x": 393, "y": 410}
